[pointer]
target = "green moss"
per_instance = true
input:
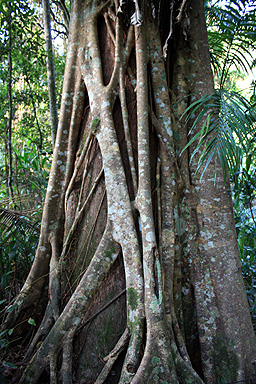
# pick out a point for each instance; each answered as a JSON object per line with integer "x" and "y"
{"x": 132, "y": 297}
{"x": 225, "y": 362}
{"x": 184, "y": 374}
{"x": 94, "y": 125}
{"x": 156, "y": 360}
{"x": 109, "y": 252}
{"x": 158, "y": 373}
{"x": 180, "y": 225}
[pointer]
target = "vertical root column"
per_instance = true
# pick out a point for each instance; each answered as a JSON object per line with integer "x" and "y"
{"x": 157, "y": 364}
{"x": 119, "y": 205}
{"x": 67, "y": 357}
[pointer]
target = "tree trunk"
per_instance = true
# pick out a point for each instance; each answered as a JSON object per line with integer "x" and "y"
{"x": 138, "y": 256}
{"x": 10, "y": 117}
{"x": 50, "y": 71}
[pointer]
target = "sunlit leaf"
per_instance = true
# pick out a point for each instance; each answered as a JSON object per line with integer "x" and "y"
{"x": 32, "y": 322}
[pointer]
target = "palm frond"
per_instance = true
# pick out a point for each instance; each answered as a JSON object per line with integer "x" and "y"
{"x": 231, "y": 34}
{"x": 10, "y": 219}
{"x": 229, "y": 122}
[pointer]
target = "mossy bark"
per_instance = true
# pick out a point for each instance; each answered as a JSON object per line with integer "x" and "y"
{"x": 138, "y": 256}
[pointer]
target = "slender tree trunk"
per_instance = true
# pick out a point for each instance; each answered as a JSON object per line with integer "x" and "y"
{"x": 10, "y": 118}
{"x": 40, "y": 146}
{"x": 139, "y": 258}
{"x": 6, "y": 152}
{"x": 50, "y": 70}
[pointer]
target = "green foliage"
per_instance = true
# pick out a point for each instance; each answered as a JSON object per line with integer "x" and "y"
{"x": 20, "y": 210}
{"x": 227, "y": 119}
{"x": 32, "y": 169}
{"x": 19, "y": 230}
{"x": 6, "y": 340}
{"x": 18, "y": 241}
{"x": 30, "y": 177}
{"x": 19, "y": 22}
{"x": 22, "y": 39}
{"x": 227, "y": 128}
{"x": 18, "y": 27}
{"x": 231, "y": 35}
{"x": 20, "y": 219}
{"x": 32, "y": 322}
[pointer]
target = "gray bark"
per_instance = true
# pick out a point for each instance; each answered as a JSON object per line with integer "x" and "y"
{"x": 50, "y": 70}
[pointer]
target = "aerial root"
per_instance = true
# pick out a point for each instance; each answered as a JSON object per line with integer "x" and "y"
{"x": 180, "y": 11}
{"x": 132, "y": 358}
{"x": 155, "y": 358}
{"x": 54, "y": 280}
{"x": 183, "y": 366}
{"x": 83, "y": 153}
{"x": 60, "y": 336}
{"x": 112, "y": 357}
{"x": 180, "y": 342}
{"x": 109, "y": 28}
{"x": 66, "y": 368}
{"x": 53, "y": 357}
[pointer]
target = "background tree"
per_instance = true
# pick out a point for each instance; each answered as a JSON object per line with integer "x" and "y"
{"x": 234, "y": 50}
{"x": 50, "y": 70}
{"x": 25, "y": 150}
{"x": 128, "y": 230}
{"x": 231, "y": 118}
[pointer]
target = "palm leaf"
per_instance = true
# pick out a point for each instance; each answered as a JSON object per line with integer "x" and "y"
{"x": 227, "y": 122}
{"x": 10, "y": 218}
{"x": 231, "y": 34}
{"x": 24, "y": 219}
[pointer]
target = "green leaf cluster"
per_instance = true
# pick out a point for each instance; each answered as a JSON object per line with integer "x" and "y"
{"x": 231, "y": 36}
{"x": 227, "y": 122}
{"x": 20, "y": 219}
{"x": 22, "y": 38}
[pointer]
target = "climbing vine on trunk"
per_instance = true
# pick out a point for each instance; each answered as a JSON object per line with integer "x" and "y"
{"x": 124, "y": 210}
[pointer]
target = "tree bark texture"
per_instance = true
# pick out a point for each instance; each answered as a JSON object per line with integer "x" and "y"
{"x": 137, "y": 276}
{"x": 50, "y": 71}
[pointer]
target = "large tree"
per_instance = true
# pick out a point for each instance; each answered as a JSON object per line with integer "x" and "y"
{"x": 137, "y": 276}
